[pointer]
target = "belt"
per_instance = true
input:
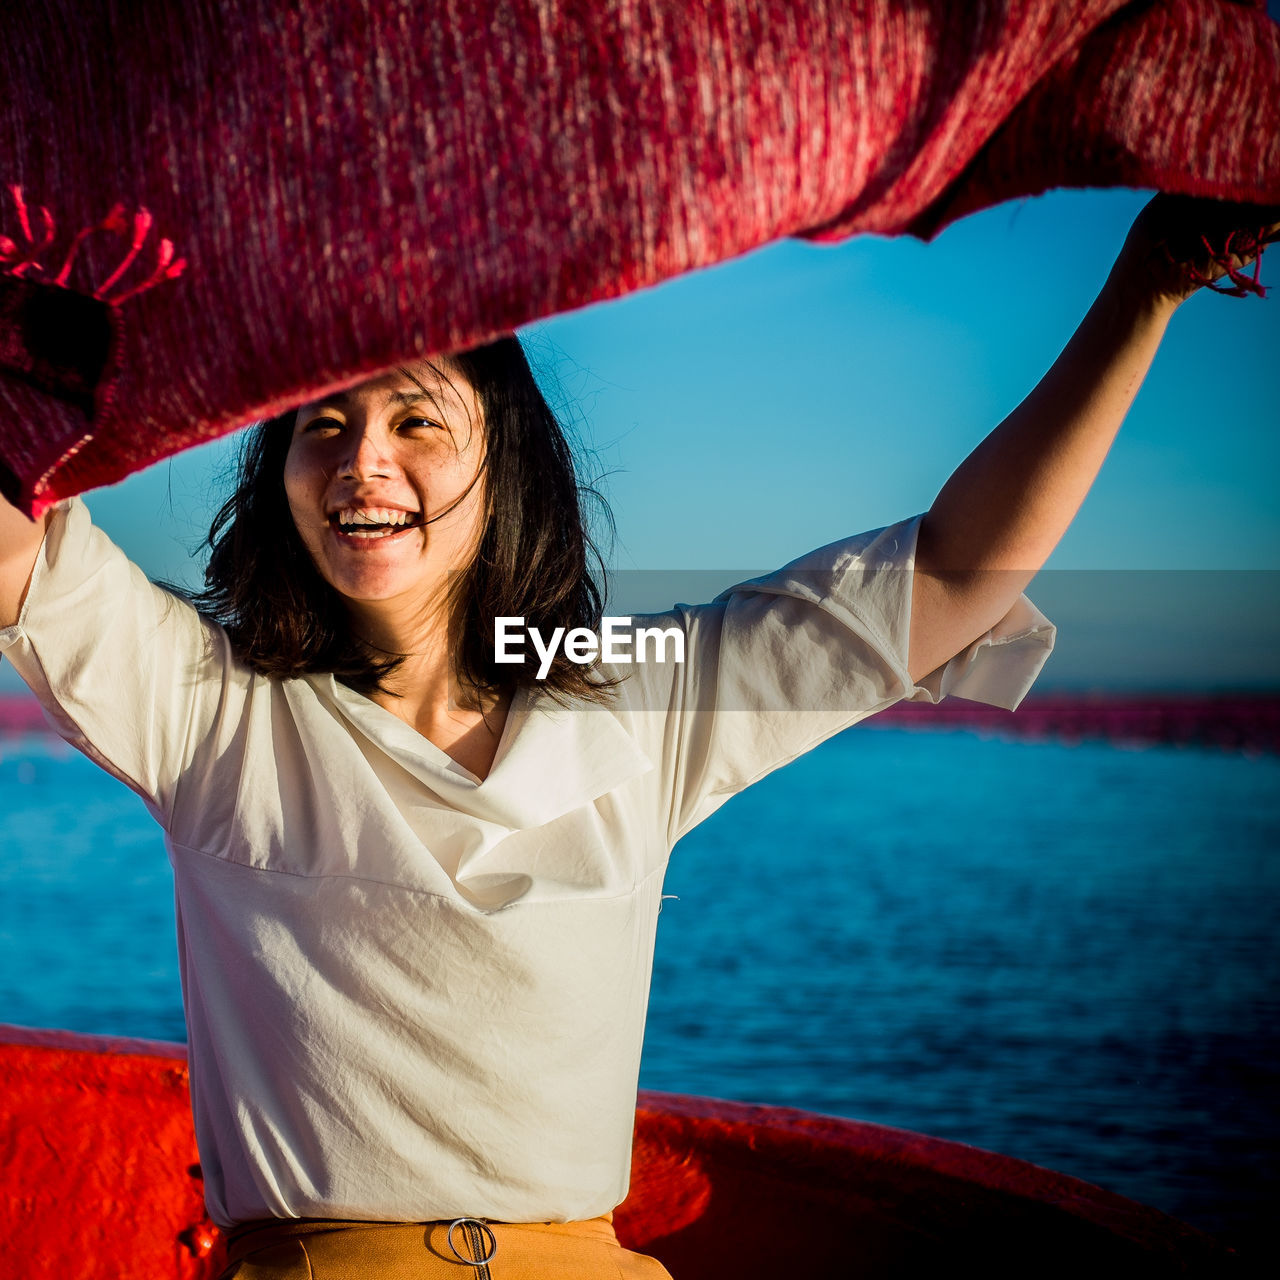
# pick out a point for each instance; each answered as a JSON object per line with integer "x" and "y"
{"x": 470, "y": 1240}
{"x": 467, "y": 1244}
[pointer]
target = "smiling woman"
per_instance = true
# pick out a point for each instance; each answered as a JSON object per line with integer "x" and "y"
{"x": 416, "y": 888}
{"x": 375, "y": 529}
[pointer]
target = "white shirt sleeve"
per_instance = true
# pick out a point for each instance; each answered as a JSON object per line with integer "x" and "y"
{"x": 126, "y": 672}
{"x": 778, "y": 664}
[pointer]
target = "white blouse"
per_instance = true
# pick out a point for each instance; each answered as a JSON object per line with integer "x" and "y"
{"x": 411, "y": 994}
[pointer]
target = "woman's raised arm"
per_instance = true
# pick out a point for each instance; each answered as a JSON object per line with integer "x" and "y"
{"x": 20, "y": 539}
{"x": 1006, "y": 506}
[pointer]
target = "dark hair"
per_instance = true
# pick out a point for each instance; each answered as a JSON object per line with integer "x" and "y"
{"x": 534, "y": 557}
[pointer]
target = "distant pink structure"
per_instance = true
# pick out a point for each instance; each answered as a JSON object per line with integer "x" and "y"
{"x": 21, "y": 714}
{"x": 1237, "y": 722}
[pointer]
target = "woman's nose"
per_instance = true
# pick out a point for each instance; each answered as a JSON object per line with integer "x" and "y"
{"x": 366, "y": 454}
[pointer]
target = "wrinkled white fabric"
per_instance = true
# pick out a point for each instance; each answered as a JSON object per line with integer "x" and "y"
{"x": 411, "y": 994}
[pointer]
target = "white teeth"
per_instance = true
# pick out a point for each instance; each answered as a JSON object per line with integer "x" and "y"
{"x": 373, "y": 516}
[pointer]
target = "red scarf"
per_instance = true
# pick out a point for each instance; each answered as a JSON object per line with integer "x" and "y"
{"x": 272, "y": 199}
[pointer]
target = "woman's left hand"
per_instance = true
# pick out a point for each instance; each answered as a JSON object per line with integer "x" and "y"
{"x": 1179, "y": 244}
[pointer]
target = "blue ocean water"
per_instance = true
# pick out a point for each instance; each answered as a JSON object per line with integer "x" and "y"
{"x": 1064, "y": 953}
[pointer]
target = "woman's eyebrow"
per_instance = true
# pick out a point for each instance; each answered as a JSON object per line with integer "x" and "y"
{"x": 431, "y": 395}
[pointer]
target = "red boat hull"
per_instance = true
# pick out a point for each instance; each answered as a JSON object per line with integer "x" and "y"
{"x": 99, "y": 1177}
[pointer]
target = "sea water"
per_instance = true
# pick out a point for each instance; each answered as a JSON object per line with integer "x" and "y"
{"x": 1063, "y": 953}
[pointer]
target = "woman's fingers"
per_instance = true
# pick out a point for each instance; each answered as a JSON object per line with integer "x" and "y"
{"x": 1182, "y": 243}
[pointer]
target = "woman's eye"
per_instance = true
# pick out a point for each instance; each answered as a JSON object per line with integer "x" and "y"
{"x": 423, "y": 423}
{"x": 321, "y": 424}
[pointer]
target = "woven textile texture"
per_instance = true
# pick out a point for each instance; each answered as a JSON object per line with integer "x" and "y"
{"x": 210, "y": 211}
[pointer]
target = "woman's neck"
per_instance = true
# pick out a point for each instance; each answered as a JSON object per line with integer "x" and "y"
{"x": 426, "y": 700}
{"x": 423, "y": 690}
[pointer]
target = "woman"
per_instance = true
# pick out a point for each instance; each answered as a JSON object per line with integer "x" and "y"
{"x": 417, "y": 885}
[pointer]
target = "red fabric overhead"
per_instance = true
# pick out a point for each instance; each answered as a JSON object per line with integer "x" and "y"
{"x": 328, "y": 190}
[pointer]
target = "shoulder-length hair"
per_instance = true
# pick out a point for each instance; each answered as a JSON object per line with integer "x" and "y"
{"x": 534, "y": 558}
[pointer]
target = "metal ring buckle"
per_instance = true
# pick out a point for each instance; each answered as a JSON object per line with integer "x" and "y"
{"x": 484, "y": 1226}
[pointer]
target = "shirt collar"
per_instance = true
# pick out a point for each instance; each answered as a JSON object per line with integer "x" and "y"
{"x": 550, "y": 760}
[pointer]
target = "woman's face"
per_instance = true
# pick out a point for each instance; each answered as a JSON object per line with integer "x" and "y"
{"x": 367, "y": 469}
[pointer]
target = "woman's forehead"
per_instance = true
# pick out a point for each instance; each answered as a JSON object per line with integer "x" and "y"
{"x": 436, "y": 381}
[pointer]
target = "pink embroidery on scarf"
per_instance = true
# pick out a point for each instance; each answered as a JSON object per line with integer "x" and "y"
{"x": 24, "y": 259}
{"x": 18, "y": 260}
{"x": 43, "y": 482}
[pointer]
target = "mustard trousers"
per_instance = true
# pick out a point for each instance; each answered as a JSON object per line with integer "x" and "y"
{"x": 302, "y": 1249}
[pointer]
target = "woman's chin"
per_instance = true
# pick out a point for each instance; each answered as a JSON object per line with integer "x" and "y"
{"x": 372, "y": 584}
{"x": 370, "y": 570}
{"x": 377, "y": 588}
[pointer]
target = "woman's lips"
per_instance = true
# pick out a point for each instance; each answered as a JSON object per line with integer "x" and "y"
{"x": 371, "y": 539}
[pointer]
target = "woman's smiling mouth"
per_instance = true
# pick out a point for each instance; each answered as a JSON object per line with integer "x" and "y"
{"x": 369, "y": 524}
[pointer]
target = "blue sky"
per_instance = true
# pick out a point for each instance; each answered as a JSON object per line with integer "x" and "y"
{"x": 750, "y": 411}
{"x": 746, "y": 413}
